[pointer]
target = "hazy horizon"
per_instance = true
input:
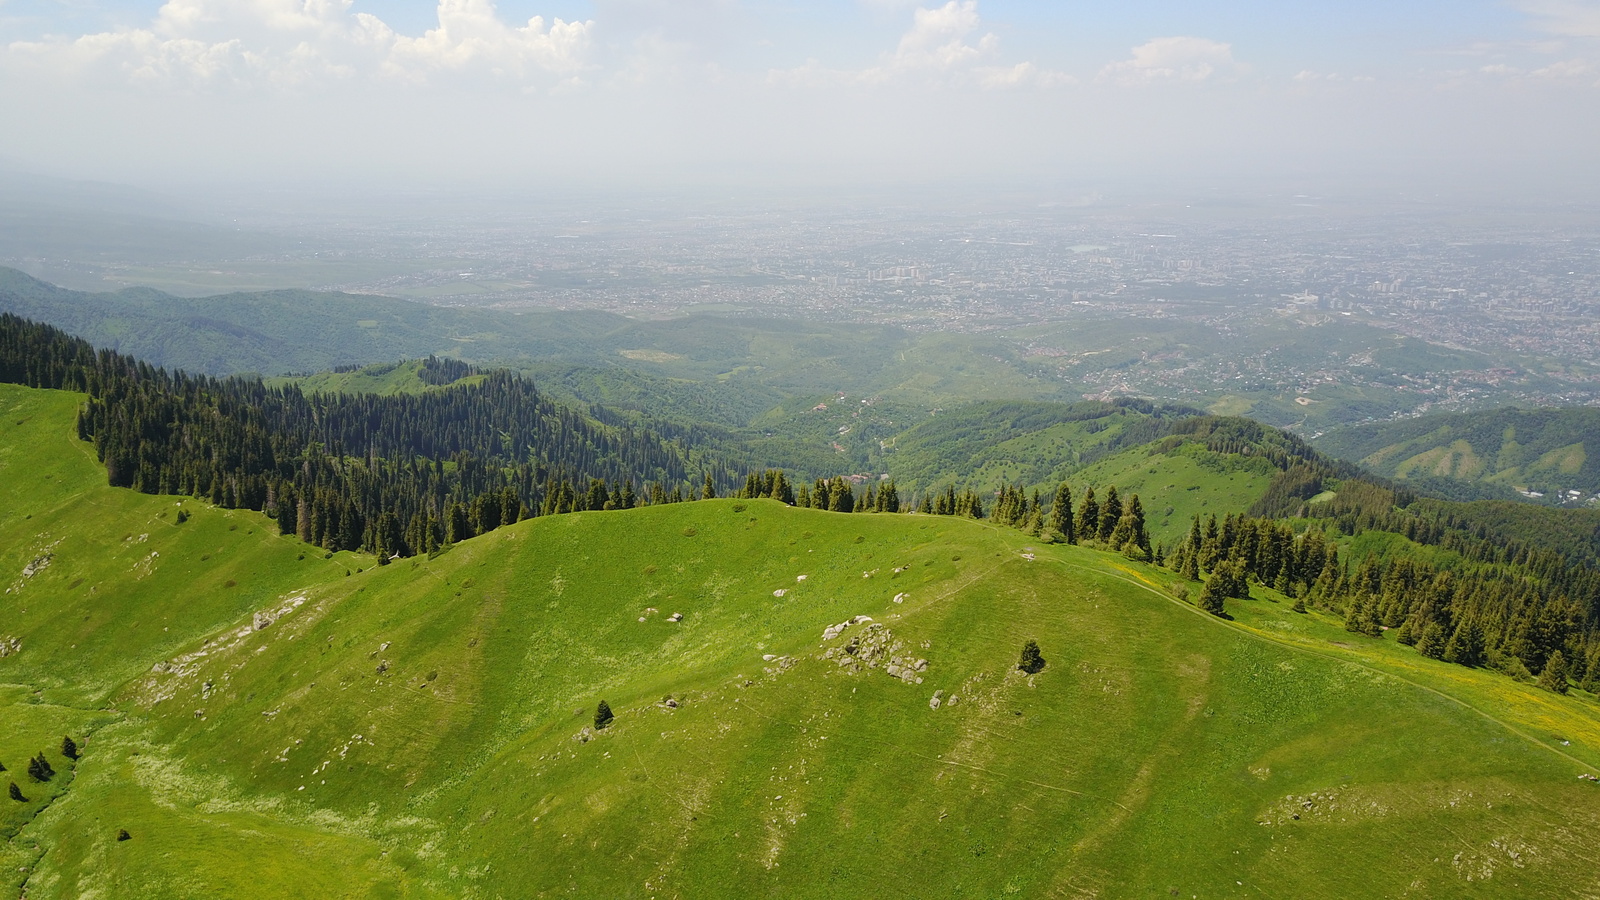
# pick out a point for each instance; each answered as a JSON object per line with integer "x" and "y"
{"x": 1469, "y": 99}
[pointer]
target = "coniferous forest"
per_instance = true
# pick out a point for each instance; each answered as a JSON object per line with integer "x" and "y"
{"x": 408, "y": 474}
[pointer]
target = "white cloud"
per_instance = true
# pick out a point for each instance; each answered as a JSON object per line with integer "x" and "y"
{"x": 471, "y": 33}
{"x": 1020, "y": 75}
{"x": 938, "y": 38}
{"x": 940, "y": 45}
{"x": 1572, "y": 18}
{"x": 1564, "y": 70}
{"x": 1173, "y": 59}
{"x": 210, "y": 42}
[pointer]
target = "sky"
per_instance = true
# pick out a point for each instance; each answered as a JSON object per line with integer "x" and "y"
{"x": 1486, "y": 95}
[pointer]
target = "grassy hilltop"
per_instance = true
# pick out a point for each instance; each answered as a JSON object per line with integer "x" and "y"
{"x": 264, "y": 724}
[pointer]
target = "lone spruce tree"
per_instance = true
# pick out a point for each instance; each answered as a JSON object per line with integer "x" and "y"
{"x": 602, "y": 715}
{"x": 1214, "y": 593}
{"x": 16, "y": 793}
{"x": 69, "y": 748}
{"x": 1554, "y": 675}
{"x": 1031, "y": 662}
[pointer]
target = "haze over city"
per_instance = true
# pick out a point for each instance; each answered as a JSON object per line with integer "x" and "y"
{"x": 1455, "y": 98}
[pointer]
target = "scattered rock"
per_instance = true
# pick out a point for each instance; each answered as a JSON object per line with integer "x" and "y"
{"x": 833, "y": 631}
{"x": 875, "y": 647}
{"x": 901, "y": 597}
{"x": 9, "y": 645}
{"x": 768, "y": 657}
{"x": 39, "y": 564}
{"x": 675, "y": 617}
{"x": 780, "y": 592}
{"x": 937, "y": 701}
{"x": 799, "y": 578}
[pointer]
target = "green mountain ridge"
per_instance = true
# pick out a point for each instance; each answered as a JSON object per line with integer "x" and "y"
{"x": 263, "y": 724}
{"x": 1548, "y": 450}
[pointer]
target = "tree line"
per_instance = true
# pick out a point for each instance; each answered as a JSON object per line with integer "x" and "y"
{"x": 387, "y": 474}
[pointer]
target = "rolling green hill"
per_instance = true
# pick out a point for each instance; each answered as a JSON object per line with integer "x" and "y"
{"x": 1550, "y": 450}
{"x": 266, "y": 722}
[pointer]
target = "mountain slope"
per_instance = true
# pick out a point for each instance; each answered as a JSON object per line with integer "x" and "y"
{"x": 418, "y": 729}
{"x": 1545, "y": 450}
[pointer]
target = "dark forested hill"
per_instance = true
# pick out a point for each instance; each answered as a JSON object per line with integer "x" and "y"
{"x": 1546, "y": 450}
{"x": 392, "y": 474}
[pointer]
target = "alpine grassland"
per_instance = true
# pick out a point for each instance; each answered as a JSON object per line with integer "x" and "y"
{"x": 805, "y": 704}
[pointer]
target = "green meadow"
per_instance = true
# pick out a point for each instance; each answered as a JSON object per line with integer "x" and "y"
{"x": 263, "y": 721}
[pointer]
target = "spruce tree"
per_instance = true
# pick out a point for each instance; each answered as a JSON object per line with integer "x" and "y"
{"x": 1190, "y": 568}
{"x": 1110, "y": 514}
{"x": 602, "y": 715}
{"x": 1432, "y": 642}
{"x": 709, "y": 491}
{"x": 888, "y": 498}
{"x": 1465, "y": 647}
{"x": 39, "y": 768}
{"x": 16, "y": 793}
{"x": 1088, "y": 523}
{"x": 1213, "y": 594}
{"x": 1554, "y": 676}
{"x": 1061, "y": 515}
{"x": 1407, "y": 634}
{"x": 1031, "y": 662}
{"x": 69, "y": 748}
{"x": 1135, "y": 512}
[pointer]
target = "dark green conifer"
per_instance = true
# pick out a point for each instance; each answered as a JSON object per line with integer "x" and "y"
{"x": 69, "y": 748}
{"x": 1465, "y": 646}
{"x": 1031, "y": 662}
{"x": 1110, "y": 514}
{"x": 1213, "y": 594}
{"x": 39, "y": 768}
{"x": 16, "y": 793}
{"x": 602, "y": 715}
{"x": 1554, "y": 676}
{"x": 1088, "y": 524}
{"x": 1061, "y": 515}
{"x": 1432, "y": 641}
